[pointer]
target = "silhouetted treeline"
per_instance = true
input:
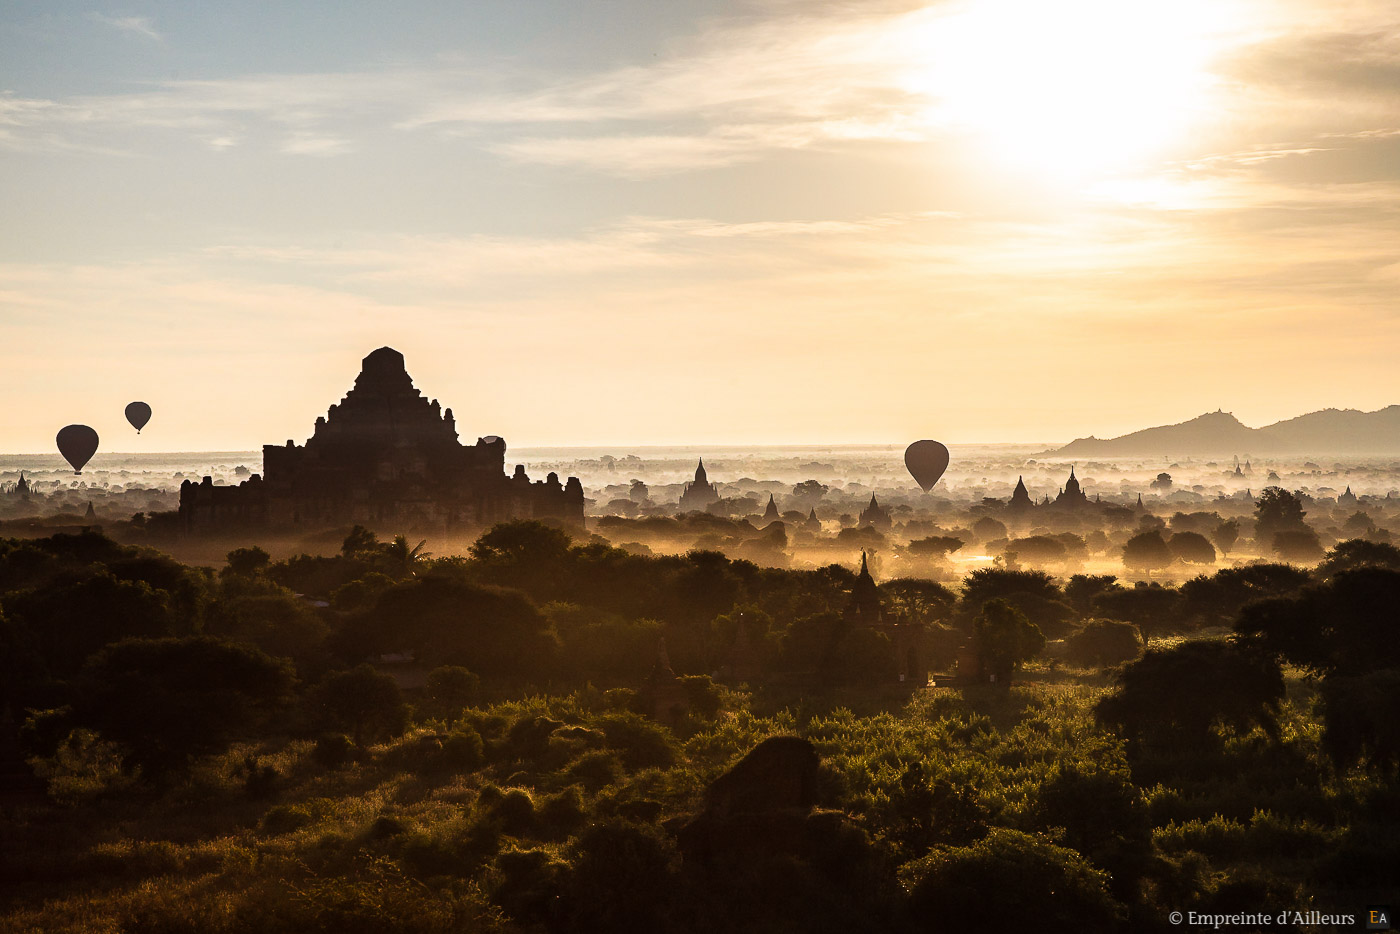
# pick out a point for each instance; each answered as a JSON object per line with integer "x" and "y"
{"x": 390, "y": 740}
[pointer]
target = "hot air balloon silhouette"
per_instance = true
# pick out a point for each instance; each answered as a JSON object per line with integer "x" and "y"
{"x": 138, "y": 413}
{"x": 926, "y": 461}
{"x": 77, "y": 444}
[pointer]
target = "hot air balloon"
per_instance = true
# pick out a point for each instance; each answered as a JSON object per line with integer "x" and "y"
{"x": 77, "y": 444}
{"x": 138, "y": 413}
{"x": 926, "y": 461}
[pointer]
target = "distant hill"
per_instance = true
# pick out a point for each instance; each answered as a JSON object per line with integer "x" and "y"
{"x": 1331, "y": 431}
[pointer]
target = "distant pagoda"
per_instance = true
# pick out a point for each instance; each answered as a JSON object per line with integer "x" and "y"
{"x": 700, "y": 493}
{"x": 874, "y": 515}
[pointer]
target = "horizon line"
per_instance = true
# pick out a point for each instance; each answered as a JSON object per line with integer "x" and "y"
{"x": 815, "y": 446}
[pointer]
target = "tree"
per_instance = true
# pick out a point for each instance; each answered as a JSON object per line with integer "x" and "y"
{"x": 863, "y": 655}
{"x": 921, "y": 600}
{"x": 1105, "y": 642}
{"x": 526, "y": 554}
{"x": 169, "y": 700}
{"x": 362, "y": 700}
{"x": 402, "y": 559}
{"x": 1297, "y": 545}
{"x": 809, "y": 491}
{"x": 492, "y": 631}
{"x": 936, "y": 547}
{"x": 1218, "y": 598}
{"x": 856, "y": 537}
{"x": 1359, "y": 722}
{"x": 1359, "y": 553}
{"x": 247, "y": 562}
{"x": 76, "y": 614}
{"x": 1174, "y": 698}
{"x": 1277, "y": 510}
{"x": 524, "y": 542}
{"x": 1034, "y": 593}
{"x": 1147, "y": 552}
{"x": 1163, "y": 482}
{"x": 1192, "y": 547}
{"x": 1202, "y": 522}
{"x": 1099, "y": 812}
{"x": 278, "y": 622}
{"x": 622, "y": 874}
{"x": 1038, "y": 549}
{"x": 988, "y": 529}
{"x": 1005, "y": 639}
{"x": 359, "y": 541}
{"x": 451, "y": 689}
{"x": 1346, "y": 626}
{"x": 1083, "y": 588}
{"x": 1225, "y": 535}
{"x": 1358, "y": 523}
{"x": 986, "y": 584}
{"x": 1154, "y": 608}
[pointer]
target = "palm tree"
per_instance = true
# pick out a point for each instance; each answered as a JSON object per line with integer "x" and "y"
{"x": 402, "y": 558}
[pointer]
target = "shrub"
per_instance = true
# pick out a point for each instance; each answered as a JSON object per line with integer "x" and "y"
{"x": 596, "y": 770}
{"x": 1028, "y": 883}
{"x": 333, "y": 750}
{"x": 450, "y": 689}
{"x": 562, "y": 812}
{"x": 702, "y": 693}
{"x": 286, "y": 818}
{"x": 365, "y": 701}
{"x": 462, "y": 751}
{"x": 639, "y": 743}
{"x": 1104, "y": 642}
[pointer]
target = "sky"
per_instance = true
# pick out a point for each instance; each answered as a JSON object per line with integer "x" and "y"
{"x": 612, "y": 222}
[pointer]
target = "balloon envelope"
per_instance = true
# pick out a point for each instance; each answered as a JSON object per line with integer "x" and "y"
{"x": 138, "y": 413}
{"x": 926, "y": 461}
{"x": 77, "y": 444}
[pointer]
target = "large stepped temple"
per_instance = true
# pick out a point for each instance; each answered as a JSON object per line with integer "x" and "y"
{"x": 384, "y": 457}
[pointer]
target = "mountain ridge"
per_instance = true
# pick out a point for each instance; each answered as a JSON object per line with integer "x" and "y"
{"x": 1326, "y": 431}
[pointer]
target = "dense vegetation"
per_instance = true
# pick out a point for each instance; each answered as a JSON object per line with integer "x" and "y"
{"x": 386, "y": 741}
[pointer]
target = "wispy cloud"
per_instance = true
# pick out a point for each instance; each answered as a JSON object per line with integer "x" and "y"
{"x": 800, "y": 76}
{"x": 306, "y": 144}
{"x": 132, "y": 25}
{"x": 739, "y": 91}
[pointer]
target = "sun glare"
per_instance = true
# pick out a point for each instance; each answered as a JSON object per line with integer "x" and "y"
{"x": 1072, "y": 90}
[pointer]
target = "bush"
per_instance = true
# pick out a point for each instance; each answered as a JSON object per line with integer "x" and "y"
{"x": 513, "y": 810}
{"x": 563, "y": 812}
{"x": 363, "y": 700}
{"x": 596, "y": 770}
{"x": 623, "y": 878}
{"x": 1005, "y": 638}
{"x": 451, "y": 689}
{"x": 286, "y": 818}
{"x": 1175, "y": 697}
{"x": 703, "y": 695}
{"x": 640, "y": 743}
{"x": 1023, "y": 882}
{"x": 462, "y": 751}
{"x": 333, "y": 750}
{"x": 1104, "y": 642}
{"x": 170, "y": 700}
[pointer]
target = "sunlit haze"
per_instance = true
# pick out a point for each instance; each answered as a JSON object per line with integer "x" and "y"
{"x": 698, "y": 222}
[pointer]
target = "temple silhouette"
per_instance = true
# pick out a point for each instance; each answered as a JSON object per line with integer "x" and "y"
{"x": 384, "y": 456}
{"x": 699, "y": 493}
